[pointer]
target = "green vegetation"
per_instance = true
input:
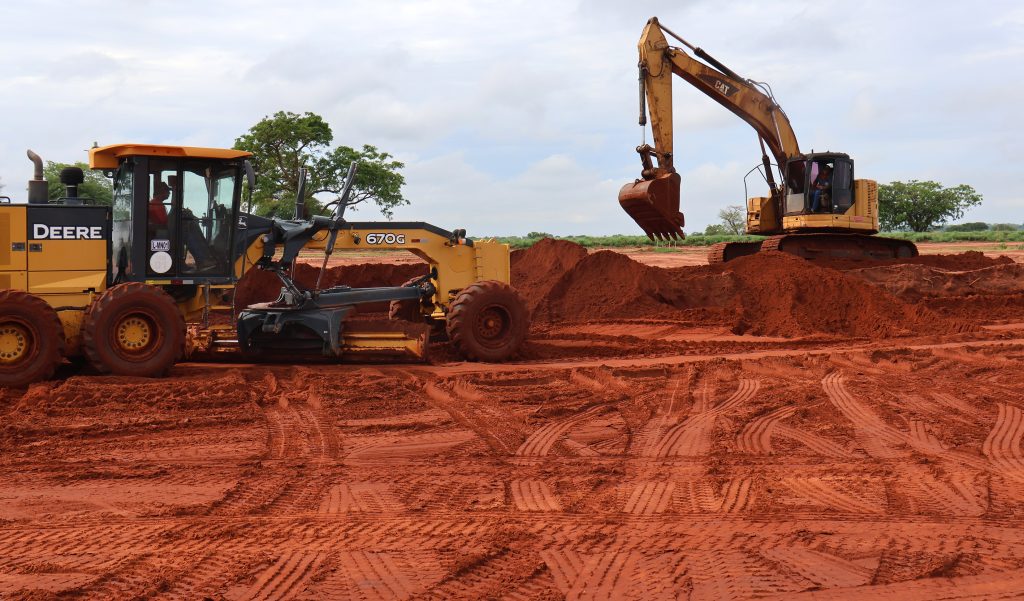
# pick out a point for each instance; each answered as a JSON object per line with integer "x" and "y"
{"x": 96, "y": 187}
{"x": 283, "y": 143}
{"x": 920, "y": 206}
{"x": 624, "y": 241}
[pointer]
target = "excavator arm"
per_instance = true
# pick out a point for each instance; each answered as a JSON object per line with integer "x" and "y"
{"x": 653, "y": 201}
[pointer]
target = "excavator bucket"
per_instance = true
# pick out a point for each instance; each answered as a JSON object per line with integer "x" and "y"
{"x": 654, "y": 206}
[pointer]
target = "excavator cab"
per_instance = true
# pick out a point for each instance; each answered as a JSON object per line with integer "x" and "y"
{"x": 819, "y": 183}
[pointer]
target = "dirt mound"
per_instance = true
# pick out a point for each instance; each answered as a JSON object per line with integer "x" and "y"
{"x": 960, "y": 262}
{"x": 917, "y": 281}
{"x": 258, "y": 286}
{"x": 784, "y": 295}
{"x": 537, "y": 269}
{"x": 771, "y": 294}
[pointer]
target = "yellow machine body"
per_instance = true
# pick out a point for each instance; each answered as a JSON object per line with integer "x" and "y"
{"x": 52, "y": 251}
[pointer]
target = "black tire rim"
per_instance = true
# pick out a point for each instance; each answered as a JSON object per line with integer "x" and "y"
{"x": 493, "y": 326}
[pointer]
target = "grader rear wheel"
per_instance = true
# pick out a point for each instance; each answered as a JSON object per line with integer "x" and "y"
{"x": 31, "y": 339}
{"x": 133, "y": 330}
{"x": 488, "y": 321}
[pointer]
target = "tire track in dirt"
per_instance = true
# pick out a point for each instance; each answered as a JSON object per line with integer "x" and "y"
{"x": 756, "y": 436}
{"x": 350, "y": 497}
{"x": 617, "y": 574}
{"x": 877, "y": 438}
{"x": 533, "y": 495}
{"x": 540, "y": 442}
{"x": 692, "y": 437}
{"x": 409, "y": 447}
{"x": 989, "y": 586}
{"x": 827, "y": 495}
{"x": 823, "y": 569}
{"x": 285, "y": 579}
{"x": 649, "y": 498}
{"x": 1002, "y": 447}
{"x": 501, "y": 431}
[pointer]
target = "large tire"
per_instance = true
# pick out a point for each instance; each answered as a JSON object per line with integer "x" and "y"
{"x": 488, "y": 321}
{"x": 133, "y": 330}
{"x": 31, "y": 339}
{"x": 408, "y": 310}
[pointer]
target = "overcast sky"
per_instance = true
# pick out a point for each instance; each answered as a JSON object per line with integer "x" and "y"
{"x": 516, "y": 116}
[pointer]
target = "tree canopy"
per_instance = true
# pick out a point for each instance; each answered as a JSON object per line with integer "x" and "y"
{"x": 285, "y": 141}
{"x": 920, "y": 206}
{"x": 96, "y": 186}
{"x": 734, "y": 219}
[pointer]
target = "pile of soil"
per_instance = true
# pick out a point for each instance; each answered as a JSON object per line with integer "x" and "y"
{"x": 966, "y": 261}
{"x": 768, "y": 294}
{"x": 538, "y": 268}
{"x": 258, "y": 286}
{"x": 784, "y": 295}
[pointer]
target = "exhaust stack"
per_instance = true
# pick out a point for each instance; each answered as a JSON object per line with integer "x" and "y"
{"x": 38, "y": 190}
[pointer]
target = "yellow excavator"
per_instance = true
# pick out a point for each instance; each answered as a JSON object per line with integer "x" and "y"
{"x": 134, "y": 287}
{"x": 814, "y": 209}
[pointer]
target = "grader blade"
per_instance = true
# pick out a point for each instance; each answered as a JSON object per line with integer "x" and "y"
{"x": 384, "y": 340}
{"x": 654, "y": 206}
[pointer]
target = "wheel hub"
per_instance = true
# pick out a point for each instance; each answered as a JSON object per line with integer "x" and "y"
{"x": 14, "y": 342}
{"x": 134, "y": 333}
{"x": 492, "y": 324}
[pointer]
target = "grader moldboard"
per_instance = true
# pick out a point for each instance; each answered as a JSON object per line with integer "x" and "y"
{"x": 133, "y": 287}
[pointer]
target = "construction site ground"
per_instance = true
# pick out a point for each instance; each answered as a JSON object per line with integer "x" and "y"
{"x": 671, "y": 431}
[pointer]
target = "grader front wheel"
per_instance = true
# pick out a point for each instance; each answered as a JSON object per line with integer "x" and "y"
{"x": 133, "y": 330}
{"x": 31, "y": 339}
{"x": 488, "y": 321}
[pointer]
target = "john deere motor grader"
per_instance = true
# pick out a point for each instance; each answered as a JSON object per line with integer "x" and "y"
{"x": 137, "y": 286}
{"x": 846, "y": 216}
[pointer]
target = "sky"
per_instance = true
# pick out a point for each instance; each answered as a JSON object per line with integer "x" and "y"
{"x": 519, "y": 116}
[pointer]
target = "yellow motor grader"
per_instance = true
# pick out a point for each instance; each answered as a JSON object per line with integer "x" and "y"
{"x": 132, "y": 287}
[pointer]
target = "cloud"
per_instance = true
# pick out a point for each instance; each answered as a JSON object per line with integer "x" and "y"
{"x": 520, "y": 115}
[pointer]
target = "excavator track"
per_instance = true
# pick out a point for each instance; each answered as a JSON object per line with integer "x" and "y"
{"x": 727, "y": 251}
{"x": 857, "y": 247}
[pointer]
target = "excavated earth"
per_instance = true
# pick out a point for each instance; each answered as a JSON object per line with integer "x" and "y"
{"x": 766, "y": 429}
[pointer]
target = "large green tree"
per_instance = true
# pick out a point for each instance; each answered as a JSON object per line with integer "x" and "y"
{"x": 96, "y": 187}
{"x": 920, "y": 206}
{"x": 734, "y": 219}
{"x": 285, "y": 141}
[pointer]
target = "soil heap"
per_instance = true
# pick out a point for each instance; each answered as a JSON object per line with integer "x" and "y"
{"x": 768, "y": 294}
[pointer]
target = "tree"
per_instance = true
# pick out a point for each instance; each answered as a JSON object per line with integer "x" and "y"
{"x": 286, "y": 141}
{"x": 96, "y": 186}
{"x": 716, "y": 229}
{"x": 1005, "y": 227}
{"x": 734, "y": 219}
{"x": 920, "y": 206}
{"x": 972, "y": 226}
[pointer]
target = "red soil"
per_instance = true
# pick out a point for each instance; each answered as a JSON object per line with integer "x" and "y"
{"x": 764, "y": 294}
{"x": 634, "y": 452}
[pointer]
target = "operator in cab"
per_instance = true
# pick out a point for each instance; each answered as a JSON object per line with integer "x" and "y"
{"x": 821, "y": 187}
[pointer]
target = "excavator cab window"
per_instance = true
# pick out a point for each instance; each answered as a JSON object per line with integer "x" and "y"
{"x": 842, "y": 186}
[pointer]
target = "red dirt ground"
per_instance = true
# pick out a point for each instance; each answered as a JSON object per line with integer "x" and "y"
{"x": 728, "y": 432}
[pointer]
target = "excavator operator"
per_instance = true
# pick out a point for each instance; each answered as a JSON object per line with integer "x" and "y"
{"x": 821, "y": 189}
